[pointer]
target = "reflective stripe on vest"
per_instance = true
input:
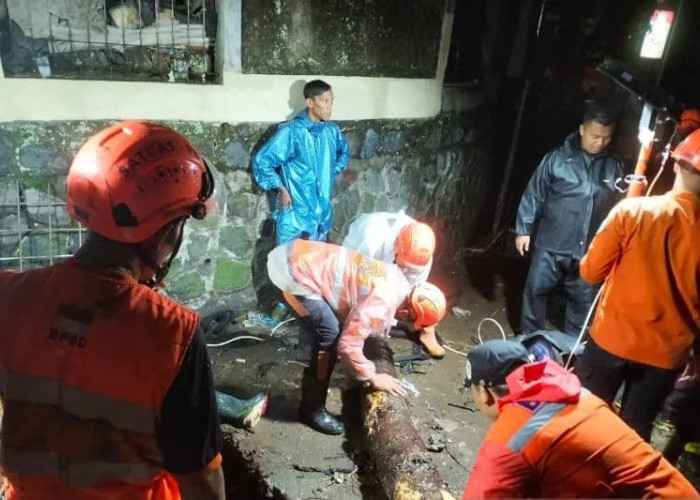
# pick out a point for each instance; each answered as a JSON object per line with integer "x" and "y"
{"x": 541, "y": 417}
{"x": 77, "y": 474}
{"x": 76, "y": 402}
{"x": 80, "y": 415}
{"x": 534, "y": 424}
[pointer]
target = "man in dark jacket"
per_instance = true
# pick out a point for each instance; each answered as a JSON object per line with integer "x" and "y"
{"x": 565, "y": 201}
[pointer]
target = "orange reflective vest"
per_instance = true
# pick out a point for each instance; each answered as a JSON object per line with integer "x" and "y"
{"x": 557, "y": 450}
{"x": 86, "y": 359}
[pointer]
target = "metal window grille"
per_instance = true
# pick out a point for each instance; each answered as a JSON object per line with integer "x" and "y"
{"x": 162, "y": 40}
{"x": 35, "y": 229}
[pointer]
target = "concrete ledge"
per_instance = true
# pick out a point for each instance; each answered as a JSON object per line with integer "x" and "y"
{"x": 240, "y": 98}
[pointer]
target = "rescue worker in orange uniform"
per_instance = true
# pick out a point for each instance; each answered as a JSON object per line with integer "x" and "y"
{"x": 343, "y": 297}
{"x": 648, "y": 319}
{"x": 106, "y": 385}
{"x": 398, "y": 239}
{"x": 552, "y": 439}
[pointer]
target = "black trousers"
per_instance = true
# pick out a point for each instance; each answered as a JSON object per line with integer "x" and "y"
{"x": 682, "y": 409}
{"x": 646, "y": 387}
{"x": 547, "y": 269}
{"x": 321, "y": 329}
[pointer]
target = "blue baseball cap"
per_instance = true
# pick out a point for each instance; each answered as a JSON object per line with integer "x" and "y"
{"x": 491, "y": 362}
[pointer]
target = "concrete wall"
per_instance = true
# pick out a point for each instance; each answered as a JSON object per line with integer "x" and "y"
{"x": 406, "y": 153}
{"x": 245, "y": 97}
{"x": 437, "y": 169}
{"x": 398, "y": 38}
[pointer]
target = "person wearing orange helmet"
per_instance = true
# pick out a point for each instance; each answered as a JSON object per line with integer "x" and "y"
{"x": 106, "y": 384}
{"x": 398, "y": 239}
{"x": 647, "y": 252}
{"x": 342, "y": 297}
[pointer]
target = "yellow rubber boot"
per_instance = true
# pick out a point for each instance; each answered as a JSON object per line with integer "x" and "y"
{"x": 429, "y": 342}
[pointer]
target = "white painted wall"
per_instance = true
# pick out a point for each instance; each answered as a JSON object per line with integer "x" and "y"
{"x": 241, "y": 98}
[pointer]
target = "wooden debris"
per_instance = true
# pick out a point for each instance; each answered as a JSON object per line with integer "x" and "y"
{"x": 403, "y": 465}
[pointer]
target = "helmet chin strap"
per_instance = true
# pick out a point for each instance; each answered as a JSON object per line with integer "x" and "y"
{"x": 160, "y": 272}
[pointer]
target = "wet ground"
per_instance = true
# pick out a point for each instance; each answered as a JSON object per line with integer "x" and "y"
{"x": 284, "y": 459}
{"x": 288, "y": 460}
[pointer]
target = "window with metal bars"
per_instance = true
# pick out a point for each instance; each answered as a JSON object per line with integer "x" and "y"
{"x": 35, "y": 230}
{"x": 142, "y": 40}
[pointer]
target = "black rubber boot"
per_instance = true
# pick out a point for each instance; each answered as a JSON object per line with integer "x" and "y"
{"x": 312, "y": 410}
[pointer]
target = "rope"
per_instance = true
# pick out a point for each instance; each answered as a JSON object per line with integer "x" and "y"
{"x": 629, "y": 179}
{"x": 234, "y": 339}
{"x": 583, "y": 328}
{"x": 454, "y": 350}
{"x": 280, "y": 324}
{"x": 478, "y": 329}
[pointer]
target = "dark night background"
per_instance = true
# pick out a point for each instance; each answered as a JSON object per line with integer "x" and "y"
{"x": 494, "y": 45}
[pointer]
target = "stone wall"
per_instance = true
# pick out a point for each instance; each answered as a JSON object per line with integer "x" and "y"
{"x": 437, "y": 169}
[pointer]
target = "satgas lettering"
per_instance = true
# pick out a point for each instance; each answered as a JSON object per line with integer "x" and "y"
{"x": 176, "y": 171}
{"x": 149, "y": 152}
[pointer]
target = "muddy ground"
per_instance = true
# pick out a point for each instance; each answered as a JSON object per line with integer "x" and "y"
{"x": 284, "y": 459}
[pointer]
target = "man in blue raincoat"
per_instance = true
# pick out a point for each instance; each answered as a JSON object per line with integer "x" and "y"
{"x": 300, "y": 162}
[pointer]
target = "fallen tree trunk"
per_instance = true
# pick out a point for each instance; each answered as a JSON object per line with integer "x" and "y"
{"x": 403, "y": 465}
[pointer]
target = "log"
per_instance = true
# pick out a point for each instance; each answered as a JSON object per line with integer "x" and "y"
{"x": 404, "y": 468}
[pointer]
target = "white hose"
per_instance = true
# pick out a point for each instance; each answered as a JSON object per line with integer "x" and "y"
{"x": 454, "y": 350}
{"x": 234, "y": 339}
{"x": 656, "y": 178}
{"x": 280, "y": 324}
{"x": 478, "y": 329}
{"x": 583, "y": 328}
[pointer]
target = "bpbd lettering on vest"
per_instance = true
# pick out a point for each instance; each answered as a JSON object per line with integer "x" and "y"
{"x": 71, "y": 326}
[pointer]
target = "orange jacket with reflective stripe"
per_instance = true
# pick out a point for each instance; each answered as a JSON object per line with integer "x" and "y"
{"x": 86, "y": 359}
{"x": 648, "y": 253}
{"x": 552, "y": 440}
{"x": 364, "y": 292}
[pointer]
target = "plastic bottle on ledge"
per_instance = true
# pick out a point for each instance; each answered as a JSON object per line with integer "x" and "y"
{"x": 257, "y": 318}
{"x": 279, "y": 312}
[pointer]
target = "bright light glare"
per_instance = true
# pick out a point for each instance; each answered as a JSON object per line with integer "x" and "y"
{"x": 657, "y": 34}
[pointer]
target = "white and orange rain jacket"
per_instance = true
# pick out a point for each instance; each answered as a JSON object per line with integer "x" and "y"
{"x": 375, "y": 234}
{"x": 365, "y": 293}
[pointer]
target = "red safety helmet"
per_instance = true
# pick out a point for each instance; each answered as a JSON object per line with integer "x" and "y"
{"x": 690, "y": 120}
{"x": 131, "y": 179}
{"x": 428, "y": 305}
{"x": 688, "y": 151}
{"x": 415, "y": 245}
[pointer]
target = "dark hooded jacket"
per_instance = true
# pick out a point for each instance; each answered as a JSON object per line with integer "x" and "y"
{"x": 568, "y": 197}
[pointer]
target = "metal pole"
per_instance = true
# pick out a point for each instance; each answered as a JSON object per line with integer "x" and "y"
{"x": 508, "y": 170}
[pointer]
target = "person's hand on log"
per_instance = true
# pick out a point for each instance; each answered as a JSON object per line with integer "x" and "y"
{"x": 387, "y": 383}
